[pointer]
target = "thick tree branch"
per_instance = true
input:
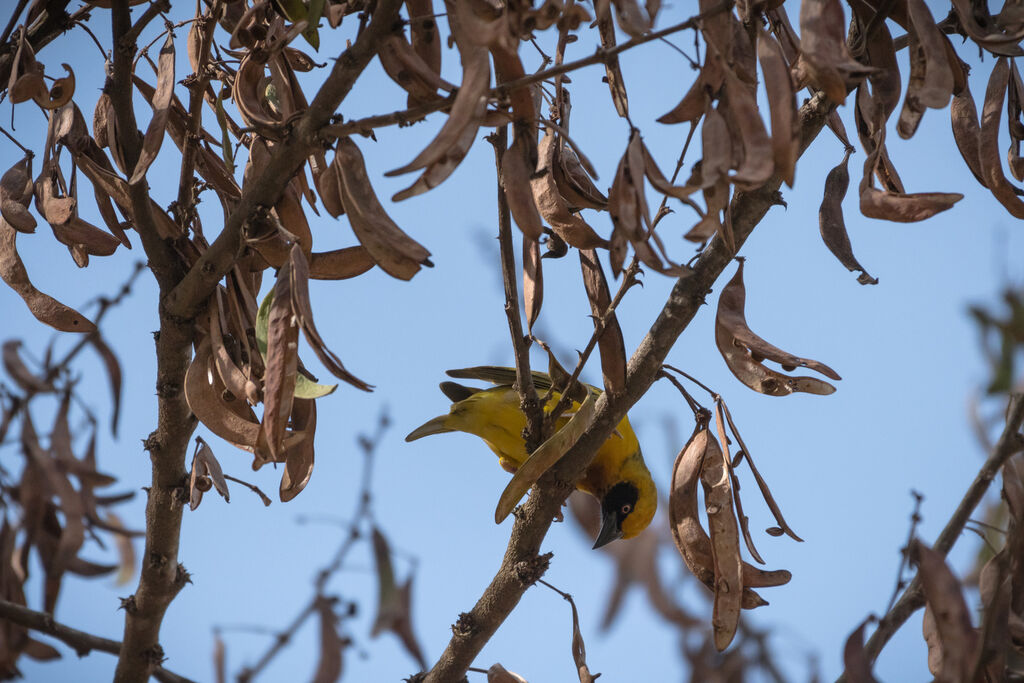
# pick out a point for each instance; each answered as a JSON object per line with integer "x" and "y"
{"x": 306, "y": 137}
{"x": 519, "y": 567}
{"x": 1010, "y": 442}
{"x": 82, "y": 642}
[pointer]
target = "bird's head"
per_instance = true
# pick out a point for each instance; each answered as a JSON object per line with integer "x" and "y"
{"x": 626, "y": 510}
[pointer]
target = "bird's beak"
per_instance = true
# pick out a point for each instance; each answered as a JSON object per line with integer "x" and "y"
{"x": 609, "y": 529}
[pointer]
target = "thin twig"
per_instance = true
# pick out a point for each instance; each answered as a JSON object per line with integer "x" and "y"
{"x": 83, "y": 643}
{"x": 915, "y": 519}
{"x": 29, "y": 153}
{"x": 543, "y": 506}
{"x": 152, "y": 11}
{"x": 1010, "y": 442}
{"x": 363, "y": 513}
{"x": 528, "y": 402}
{"x": 13, "y": 21}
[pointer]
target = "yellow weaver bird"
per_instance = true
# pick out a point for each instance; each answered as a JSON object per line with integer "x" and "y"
{"x": 617, "y": 477}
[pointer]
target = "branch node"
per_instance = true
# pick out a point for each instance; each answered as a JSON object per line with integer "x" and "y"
{"x": 464, "y": 626}
{"x": 128, "y": 604}
{"x": 182, "y": 577}
{"x": 529, "y": 571}
{"x": 152, "y": 443}
{"x": 155, "y": 655}
{"x": 168, "y": 390}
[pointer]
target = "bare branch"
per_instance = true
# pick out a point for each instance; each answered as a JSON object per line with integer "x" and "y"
{"x": 1010, "y": 442}
{"x": 82, "y": 642}
{"x": 187, "y": 298}
{"x": 477, "y": 626}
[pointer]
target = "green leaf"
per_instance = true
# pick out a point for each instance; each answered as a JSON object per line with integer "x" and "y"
{"x": 263, "y": 322}
{"x": 307, "y": 388}
{"x": 316, "y": 10}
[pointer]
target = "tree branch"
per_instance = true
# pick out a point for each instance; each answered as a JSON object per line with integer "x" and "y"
{"x": 521, "y": 562}
{"x": 83, "y": 643}
{"x": 1010, "y": 442}
{"x": 186, "y": 300}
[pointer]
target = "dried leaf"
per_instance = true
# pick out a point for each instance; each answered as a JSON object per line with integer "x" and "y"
{"x": 952, "y": 617}
{"x": 758, "y": 154}
{"x": 330, "y": 665}
{"x": 613, "y": 74}
{"x": 16, "y": 369}
{"x": 394, "y": 251}
{"x": 856, "y": 661}
{"x": 161, "y": 103}
{"x": 744, "y": 351}
{"x": 831, "y": 223}
{"x": 610, "y": 343}
{"x": 16, "y": 191}
{"x": 394, "y": 601}
{"x": 125, "y": 551}
{"x": 240, "y": 386}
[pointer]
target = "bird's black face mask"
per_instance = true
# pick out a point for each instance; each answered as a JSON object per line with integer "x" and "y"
{"x": 615, "y": 507}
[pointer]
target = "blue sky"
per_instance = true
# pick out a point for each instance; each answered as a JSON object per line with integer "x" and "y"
{"x": 841, "y": 467}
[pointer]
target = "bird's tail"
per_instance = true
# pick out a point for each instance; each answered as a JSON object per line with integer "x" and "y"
{"x": 436, "y": 426}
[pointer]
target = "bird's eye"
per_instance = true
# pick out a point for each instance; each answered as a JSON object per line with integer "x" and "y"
{"x": 626, "y": 509}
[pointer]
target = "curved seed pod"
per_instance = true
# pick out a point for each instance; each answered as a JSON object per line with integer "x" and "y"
{"x": 45, "y": 308}
{"x": 831, "y": 223}
{"x": 898, "y": 206}
{"x": 282, "y": 362}
{"x": 516, "y": 166}
{"x": 725, "y": 542}
{"x": 340, "y": 264}
{"x": 16, "y": 190}
{"x": 326, "y": 182}
{"x": 161, "y": 102}
{"x": 552, "y": 206}
{"x": 963, "y": 115}
{"x": 60, "y": 92}
{"x": 233, "y": 378}
{"x": 544, "y": 458}
{"x": 439, "y": 170}
{"x": 610, "y": 343}
{"x": 781, "y": 105}
{"x": 824, "y": 56}
{"x": 249, "y": 94}
{"x": 298, "y": 467}
{"x": 533, "y": 281}
{"x": 744, "y": 351}
{"x": 19, "y": 372}
{"x": 691, "y": 107}
{"x": 989, "y": 36}
{"x": 758, "y": 164}
{"x": 407, "y": 69}
{"x": 691, "y": 540}
{"x": 938, "y": 77}
{"x": 991, "y": 163}
{"x": 466, "y": 112}
{"x": 302, "y": 310}
{"x": 394, "y": 251}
